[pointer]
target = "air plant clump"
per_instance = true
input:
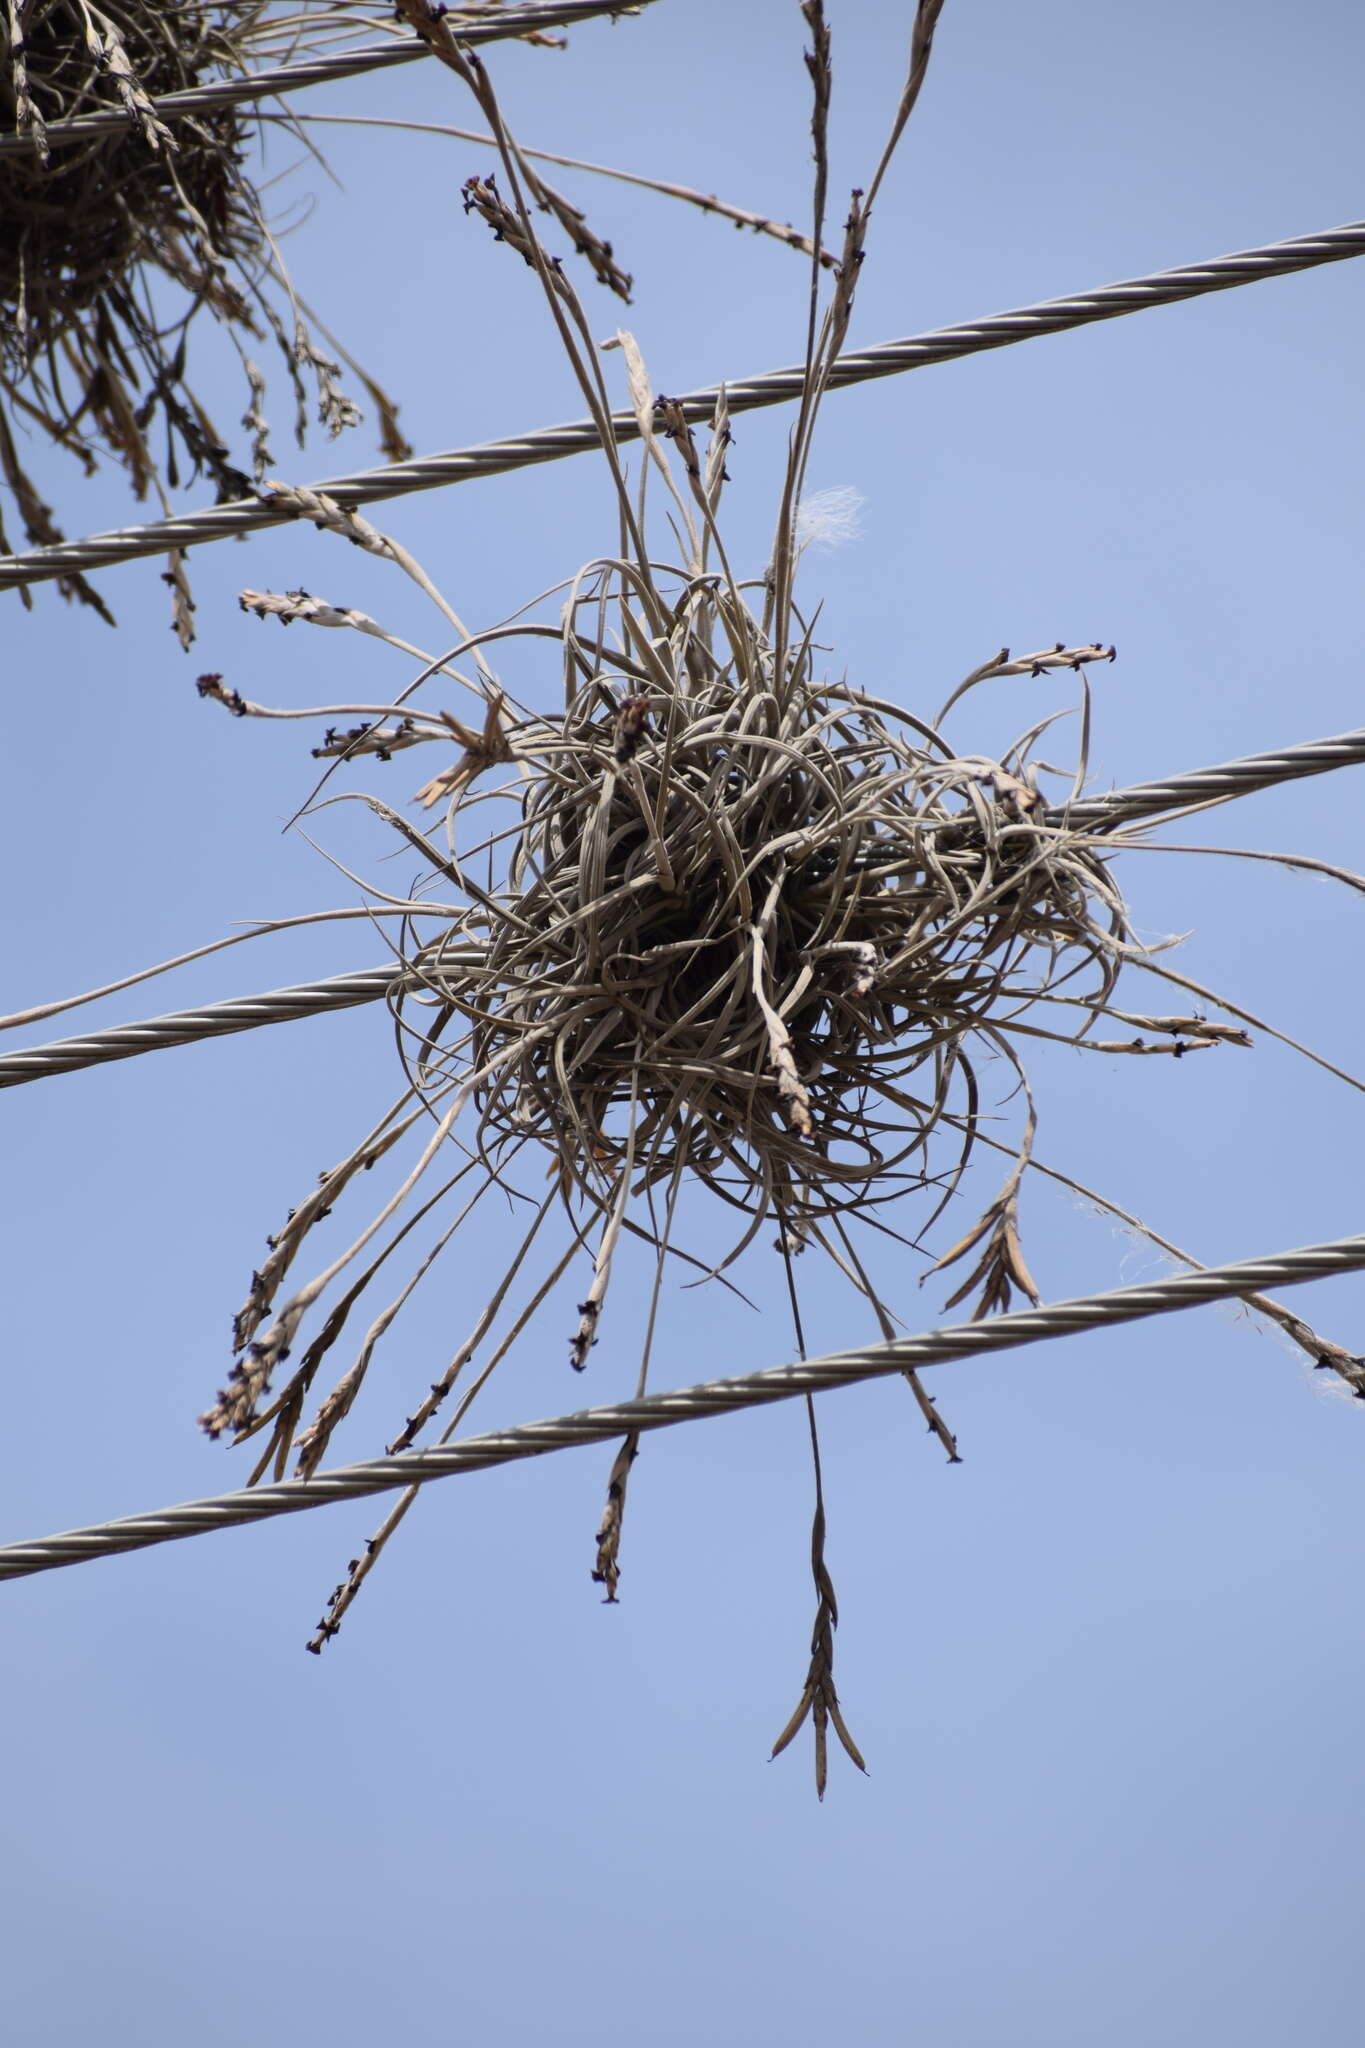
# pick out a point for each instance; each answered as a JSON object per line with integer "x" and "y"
{"x": 750, "y": 923}
{"x": 714, "y": 934}
{"x": 746, "y": 931}
{"x": 715, "y": 928}
{"x": 114, "y": 240}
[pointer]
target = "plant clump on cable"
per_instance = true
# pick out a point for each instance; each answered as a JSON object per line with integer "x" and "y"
{"x": 114, "y": 239}
{"x": 714, "y": 932}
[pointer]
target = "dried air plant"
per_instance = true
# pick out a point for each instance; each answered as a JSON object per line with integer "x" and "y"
{"x": 114, "y": 241}
{"x": 716, "y": 937}
{"x": 737, "y": 931}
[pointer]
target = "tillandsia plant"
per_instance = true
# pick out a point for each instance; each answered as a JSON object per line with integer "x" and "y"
{"x": 715, "y": 933}
{"x": 115, "y": 238}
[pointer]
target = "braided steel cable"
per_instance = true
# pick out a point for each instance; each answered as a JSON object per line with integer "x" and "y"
{"x": 775, "y": 387}
{"x": 684, "y": 1404}
{"x": 370, "y": 984}
{"x": 215, "y": 1020}
{"x": 1213, "y": 785}
{"x": 286, "y": 78}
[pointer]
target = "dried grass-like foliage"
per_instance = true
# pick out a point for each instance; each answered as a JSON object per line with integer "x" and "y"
{"x": 716, "y": 934}
{"x": 729, "y": 926}
{"x": 748, "y": 925}
{"x": 113, "y": 243}
{"x": 770, "y": 913}
{"x": 715, "y": 928}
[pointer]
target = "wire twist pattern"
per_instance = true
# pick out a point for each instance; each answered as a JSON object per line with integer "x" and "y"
{"x": 684, "y": 1404}
{"x": 215, "y": 1020}
{"x": 1215, "y": 785}
{"x": 551, "y": 444}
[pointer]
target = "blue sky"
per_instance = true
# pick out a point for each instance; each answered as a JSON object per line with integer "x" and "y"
{"x": 1106, "y": 1673}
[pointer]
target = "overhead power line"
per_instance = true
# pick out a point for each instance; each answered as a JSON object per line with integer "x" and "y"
{"x": 371, "y": 984}
{"x": 478, "y": 27}
{"x": 1213, "y": 785}
{"x": 775, "y": 387}
{"x": 685, "y": 1404}
{"x": 215, "y": 1020}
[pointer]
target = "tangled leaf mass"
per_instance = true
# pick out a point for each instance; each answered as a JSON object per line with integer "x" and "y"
{"x": 113, "y": 243}
{"x": 716, "y": 927}
{"x": 769, "y": 922}
{"x": 748, "y": 932}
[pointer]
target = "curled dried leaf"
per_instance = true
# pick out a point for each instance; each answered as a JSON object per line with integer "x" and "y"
{"x": 1000, "y": 1269}
{"x": 607, "y": 1569}
{"x": 481, "y": 750}
{"x": 819, "y": 1702}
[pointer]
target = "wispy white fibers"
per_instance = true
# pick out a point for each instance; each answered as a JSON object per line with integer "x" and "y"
{"x": 830, "y": 519}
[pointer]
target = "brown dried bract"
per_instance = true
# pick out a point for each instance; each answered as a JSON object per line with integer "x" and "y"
{"x": 632, "y": 721}
{"x": 481, "y": 750}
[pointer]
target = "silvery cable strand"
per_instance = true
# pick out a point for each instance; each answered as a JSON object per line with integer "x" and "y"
{"x": 287, "y": 78}
{"x": 549, "y": 444}
{"x": 215, "y": 1020}
{"x": 685, "y": 1404}
{"x": 1200, "y": 785}
{"x": 1108, "y": 302}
